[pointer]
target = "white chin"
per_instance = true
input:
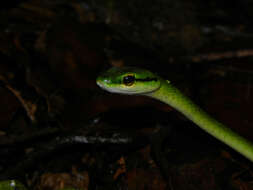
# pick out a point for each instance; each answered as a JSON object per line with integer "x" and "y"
{"x": 119, "y": 91}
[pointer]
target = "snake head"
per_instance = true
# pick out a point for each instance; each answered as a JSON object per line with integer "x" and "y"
{"x": 128, "y": 80}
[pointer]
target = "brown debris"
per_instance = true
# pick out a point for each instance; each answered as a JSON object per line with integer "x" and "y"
{"x": 59, "y": 181}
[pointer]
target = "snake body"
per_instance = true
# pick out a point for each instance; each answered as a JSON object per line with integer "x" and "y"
{"x": 135, "y": 81}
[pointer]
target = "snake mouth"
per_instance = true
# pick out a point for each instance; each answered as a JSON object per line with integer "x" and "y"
{"x": 100, "y": 84}
{"x": 103, "y": 85}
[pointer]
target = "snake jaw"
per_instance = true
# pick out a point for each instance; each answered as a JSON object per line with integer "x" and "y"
{"x": 101, "y": 85}
{"x": 106, "y": 88}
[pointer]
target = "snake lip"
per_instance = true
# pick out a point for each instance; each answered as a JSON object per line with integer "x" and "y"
{"x": 100, "y": 84}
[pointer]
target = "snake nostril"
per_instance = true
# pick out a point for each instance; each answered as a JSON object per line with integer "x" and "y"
{"x": 107, "y": 81}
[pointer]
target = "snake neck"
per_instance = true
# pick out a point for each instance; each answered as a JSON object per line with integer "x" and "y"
{"x": 170, "y": 95}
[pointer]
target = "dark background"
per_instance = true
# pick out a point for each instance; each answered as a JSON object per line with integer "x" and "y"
{"x": 59, "y": 129}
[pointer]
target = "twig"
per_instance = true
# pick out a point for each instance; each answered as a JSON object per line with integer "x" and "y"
{"x": 29, "y": 107}
{"x": 223, "y": 55}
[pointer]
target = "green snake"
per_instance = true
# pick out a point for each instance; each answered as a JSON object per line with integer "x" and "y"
{"x": 136, "y": 81}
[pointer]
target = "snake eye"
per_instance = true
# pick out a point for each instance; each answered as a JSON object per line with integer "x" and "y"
{"x": 128, "y": 80}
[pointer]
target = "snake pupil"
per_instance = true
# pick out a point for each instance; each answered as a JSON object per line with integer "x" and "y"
{"x": 128, "y": 80}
